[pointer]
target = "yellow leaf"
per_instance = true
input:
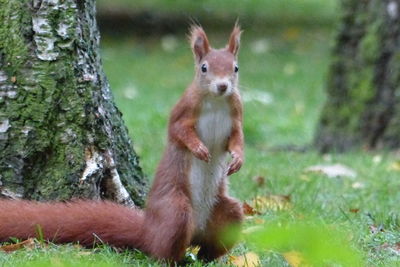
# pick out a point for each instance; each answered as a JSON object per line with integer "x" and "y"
{"x": 250, "y": 259}
{"x": 271, "y": 202}
{"x": 395, "y": 166}
{"x": 193, "y": 250}
{"x": 294, "y": 258}
{"x": 29, "y": 243}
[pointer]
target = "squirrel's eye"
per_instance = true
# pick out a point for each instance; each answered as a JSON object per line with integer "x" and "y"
{"x": 203, "y": 68}
{"x": 236, "y": 68}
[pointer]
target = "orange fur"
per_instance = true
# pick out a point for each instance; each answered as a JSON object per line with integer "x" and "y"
{"x": 169, "y": 222}
{"x": 86, "y": 222}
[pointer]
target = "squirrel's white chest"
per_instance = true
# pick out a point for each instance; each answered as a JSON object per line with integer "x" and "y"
{"x": 214, "y": 127}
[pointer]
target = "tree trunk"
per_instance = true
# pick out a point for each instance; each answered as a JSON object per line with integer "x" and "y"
{"x": 61, "y": 135}
{"x": 363, "y": 105}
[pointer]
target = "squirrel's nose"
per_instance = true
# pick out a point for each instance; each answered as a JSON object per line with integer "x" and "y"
{"x": 222, "y": 87}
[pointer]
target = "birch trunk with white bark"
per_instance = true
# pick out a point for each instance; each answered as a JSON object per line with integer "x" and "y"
{"x": 61, "y": 135}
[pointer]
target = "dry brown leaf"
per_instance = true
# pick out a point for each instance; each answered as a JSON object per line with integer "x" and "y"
{"x": 354, "y": 210}
{"x": 395, "y": 249}
{"x": 29, "y": 243}
{"x": 249, "y": 210}
{"x": 271, "y": 202}
{"x": 294, "y": 258}
{"x": 250, "y": 259}
{"x": 259, "y": 180}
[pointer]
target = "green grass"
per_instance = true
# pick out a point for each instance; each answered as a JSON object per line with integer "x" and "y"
{"x": 259, "y": 12}
{"x": 147, "y": 80}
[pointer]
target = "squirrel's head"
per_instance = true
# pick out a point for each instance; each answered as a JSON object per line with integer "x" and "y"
{"x": 217, "y": 70}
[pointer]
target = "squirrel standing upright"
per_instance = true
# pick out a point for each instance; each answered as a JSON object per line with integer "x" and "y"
{"x": 188, "y": 203}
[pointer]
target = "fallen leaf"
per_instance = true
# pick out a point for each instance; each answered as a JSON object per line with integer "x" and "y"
{"x": 395, "y": 249}
{"x": 13, "y": 79}
{"x": 358, "y": 185}
{"x": 327, "y": 157}
{"x": 271, "y": 202}
{"x": 130, "y": 91}
{"x": 191, "y": 252}
{"x": 377, "y": 159}
{"x": 250, "y": 259}
{"x": 332, "y": 171}
{"x": 260, "y": 46}
{"x": 169, "y": 43}
{"x": 249, "y": 210}
{"x": 29, "y": 243}
{"x": 259, "y": 180}
{"x": 294, "y": 258}
{"x": 354, "y": 210}
{"x": 395, "y": 166}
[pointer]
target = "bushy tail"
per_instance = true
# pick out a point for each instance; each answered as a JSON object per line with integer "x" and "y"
{"x": 83, "y": 222}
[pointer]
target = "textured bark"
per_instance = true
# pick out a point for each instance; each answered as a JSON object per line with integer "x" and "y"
{"x": 363, "y": 105}
{"x": 61, "y": 135}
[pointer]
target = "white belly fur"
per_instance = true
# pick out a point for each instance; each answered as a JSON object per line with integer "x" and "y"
{"x": 213, "y": 127}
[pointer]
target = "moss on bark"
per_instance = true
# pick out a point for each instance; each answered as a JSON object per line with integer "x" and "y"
{"x": 61, "y": 136}
{"x": 363, "y": 83}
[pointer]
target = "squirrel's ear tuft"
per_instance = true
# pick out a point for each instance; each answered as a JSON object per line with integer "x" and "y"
{"x": 234, "y": 40}
{"x": 199, "y": 42}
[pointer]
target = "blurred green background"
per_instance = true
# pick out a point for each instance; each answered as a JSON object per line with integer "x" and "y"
{"x": 283, "y": 60}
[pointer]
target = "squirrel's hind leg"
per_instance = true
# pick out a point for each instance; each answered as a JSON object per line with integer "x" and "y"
{"x": 170, "y": 228}
{"x": 223, "y": 229}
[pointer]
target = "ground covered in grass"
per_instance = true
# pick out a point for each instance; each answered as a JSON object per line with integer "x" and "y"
{"x": 282, "y": 74}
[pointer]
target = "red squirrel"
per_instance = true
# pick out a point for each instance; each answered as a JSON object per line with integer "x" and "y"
{"x": 188, "y": 203}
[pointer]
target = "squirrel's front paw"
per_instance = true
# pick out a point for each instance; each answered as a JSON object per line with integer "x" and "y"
{"x": 201, "y": 152}
{"x": 236, "y": 163}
